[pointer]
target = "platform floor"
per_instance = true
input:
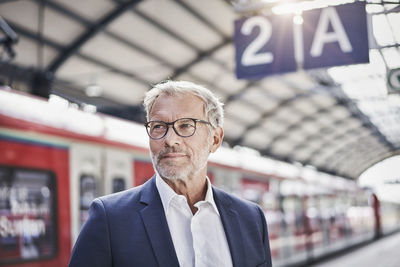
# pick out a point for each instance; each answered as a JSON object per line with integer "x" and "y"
{"x": 384, "y": 252}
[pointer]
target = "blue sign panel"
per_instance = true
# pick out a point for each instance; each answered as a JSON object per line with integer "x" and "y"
{"x": 335, "y": 36}
{"x": 264, "y": 46}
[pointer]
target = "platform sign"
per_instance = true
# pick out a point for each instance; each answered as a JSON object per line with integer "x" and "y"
{"x": 331, "y": 36}
{"x": 264, "y": 46}
{"x": 335, "y": 36}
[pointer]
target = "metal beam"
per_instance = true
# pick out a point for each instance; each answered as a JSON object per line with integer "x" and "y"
{"x": 342, "y": 153}
{"x": 67, "y": 12}
{"x": 34, "y": 36}
{"x": 16, "y": 72}
{"x": 134, "y": 46}
{"x": 290, "y": 160}
{"x": 271, "y": 112}
{"x": 200, "y": 57}
{"x": 372, "y": 162}
{"x": 340, "y": 156}
{"x": 201, "y": 18}
{"x": 356, "y": 156}
{"x": 318, "y": 151}
{"x": 89, "y": 24}
{"x": 90, "y": 33}
{"x": 356, "y": 113}
{"x": 170, "y": 33}
{"x": 352, "y": 167}
{"x": 299, "y": 123}
{"x": 129, "y": 43}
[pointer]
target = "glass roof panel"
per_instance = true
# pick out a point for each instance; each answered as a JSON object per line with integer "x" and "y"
{"x": 381, "y": 29}
{"x": 232, "y": 128}
{"x": 88, "y": 9}
{"x": 392, "y": 57}
{"x": 242, "y": 111}
{"x": 394, "y": 20}
{"x": 260, "y": 99}
{"x": 257, "y": 138}
{"x": 192, "y": 29}
{"x": 150, "y": 37}
{"x": 124, "y": 57}
{"x": 218, "y": 12}
{"x": 23, "y": 12}
{"x": 71, "y": 29}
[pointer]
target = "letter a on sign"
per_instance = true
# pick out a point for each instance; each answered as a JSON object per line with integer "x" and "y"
{"x": 339, "y": 38}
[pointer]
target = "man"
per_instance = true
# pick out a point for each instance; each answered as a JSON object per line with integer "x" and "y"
{"x": 177, "y": 218}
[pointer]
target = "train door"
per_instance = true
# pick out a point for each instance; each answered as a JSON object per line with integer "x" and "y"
{"x": 117, "y": 171}
{"x": 86, "y": 182}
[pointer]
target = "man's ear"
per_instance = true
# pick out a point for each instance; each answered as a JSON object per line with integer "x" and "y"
{"x": 218, "y": 136}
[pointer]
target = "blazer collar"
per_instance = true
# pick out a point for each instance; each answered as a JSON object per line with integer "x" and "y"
{"x": 156, "y": 225}
{"x": 231, "y": 223}
{"x": 157, "y": 230}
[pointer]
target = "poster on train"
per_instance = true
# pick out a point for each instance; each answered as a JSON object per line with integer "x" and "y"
{"x": 27, "y": 215}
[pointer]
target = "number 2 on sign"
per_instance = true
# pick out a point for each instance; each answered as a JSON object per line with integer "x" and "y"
{"x": 250, "y": 55}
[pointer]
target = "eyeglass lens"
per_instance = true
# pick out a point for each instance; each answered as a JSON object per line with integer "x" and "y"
{"x": 183, "y": 127}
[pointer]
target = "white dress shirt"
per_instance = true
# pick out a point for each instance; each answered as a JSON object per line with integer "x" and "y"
{"x": 199, "y": 239}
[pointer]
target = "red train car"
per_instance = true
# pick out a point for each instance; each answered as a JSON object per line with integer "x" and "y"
{"x": 55, "y": 159}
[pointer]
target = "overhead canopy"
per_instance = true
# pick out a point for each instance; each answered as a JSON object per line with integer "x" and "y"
{"x": 108, "y": 54}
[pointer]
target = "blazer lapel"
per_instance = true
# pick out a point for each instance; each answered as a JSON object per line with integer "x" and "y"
{"x": 230, "y": 221}
{"x": 156, "y": 226}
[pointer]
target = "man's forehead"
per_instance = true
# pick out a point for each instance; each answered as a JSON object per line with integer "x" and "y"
{"x": 186, "y": 97}
{"x": 182, "y": 101}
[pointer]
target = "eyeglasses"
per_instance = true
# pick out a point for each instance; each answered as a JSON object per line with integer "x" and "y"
{"x": 183, "y": 127}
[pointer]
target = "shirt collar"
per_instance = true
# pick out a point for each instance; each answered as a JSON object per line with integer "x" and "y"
{"x": 167, "y": 194}
{"x": 165, "y": 191}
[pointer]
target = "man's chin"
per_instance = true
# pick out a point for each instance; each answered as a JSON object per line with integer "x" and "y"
{"x": 172, "y": 173}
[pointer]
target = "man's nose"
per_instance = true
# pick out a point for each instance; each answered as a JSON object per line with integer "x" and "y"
{"x": 172, "y": 138}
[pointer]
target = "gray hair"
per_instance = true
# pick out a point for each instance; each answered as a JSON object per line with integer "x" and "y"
{"x": 213, "y": 107}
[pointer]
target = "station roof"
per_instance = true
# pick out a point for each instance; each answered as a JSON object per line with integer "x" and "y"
{"x": 106, "y": 53}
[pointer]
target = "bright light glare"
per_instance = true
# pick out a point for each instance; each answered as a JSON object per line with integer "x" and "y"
{"x": 58, "y": 101}
{"x": 90, "y": 108}
{"x": 298, "y": 19}
{"x": 93, "y": 90}
{"x": 296, "y": 8}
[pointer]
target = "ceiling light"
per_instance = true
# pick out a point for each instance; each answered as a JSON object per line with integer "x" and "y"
{"x": 93, "y": 90}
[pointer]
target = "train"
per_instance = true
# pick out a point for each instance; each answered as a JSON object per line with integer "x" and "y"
{"x": 55, "y": 159}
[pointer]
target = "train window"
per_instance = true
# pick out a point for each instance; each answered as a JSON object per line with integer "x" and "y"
{"x": 28, "y": 228}
{"x": 118, "y": 184}
{"x": 88, "y": 192}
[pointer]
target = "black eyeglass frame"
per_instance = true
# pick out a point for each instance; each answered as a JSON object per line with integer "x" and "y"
{"x": 172, "y": 123}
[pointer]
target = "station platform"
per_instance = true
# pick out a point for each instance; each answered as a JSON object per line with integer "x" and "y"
{"x": 383, "y": 252}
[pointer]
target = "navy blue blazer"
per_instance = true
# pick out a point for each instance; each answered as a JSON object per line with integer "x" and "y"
{"x": 129, "y": 228}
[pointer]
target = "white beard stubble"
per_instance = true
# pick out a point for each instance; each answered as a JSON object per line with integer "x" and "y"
{"x": 172, "y": 172}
